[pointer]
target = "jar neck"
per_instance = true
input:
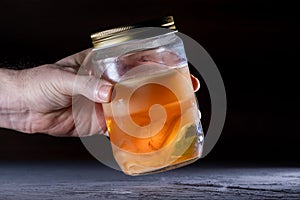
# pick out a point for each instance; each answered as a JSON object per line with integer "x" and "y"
{"x": 131, "y": 35}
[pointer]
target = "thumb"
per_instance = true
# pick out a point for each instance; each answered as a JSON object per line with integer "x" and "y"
{"x": 95, "y": 89}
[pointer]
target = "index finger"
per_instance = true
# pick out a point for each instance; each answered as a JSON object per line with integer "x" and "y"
{"x": 157, "y": 55}
{"x": 74, "y": 60}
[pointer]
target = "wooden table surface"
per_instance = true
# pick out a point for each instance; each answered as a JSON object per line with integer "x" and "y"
{"x": 91, "y": 180}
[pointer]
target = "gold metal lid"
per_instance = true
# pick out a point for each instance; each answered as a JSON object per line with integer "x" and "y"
{"x": 110, "y": 36}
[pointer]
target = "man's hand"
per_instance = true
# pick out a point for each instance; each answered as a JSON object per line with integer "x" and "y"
{"x": 54, "y": 99}
{"x": 43, "y": 99}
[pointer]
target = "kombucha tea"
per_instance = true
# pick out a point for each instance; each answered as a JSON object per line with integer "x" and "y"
{"x": 153, "y": 122}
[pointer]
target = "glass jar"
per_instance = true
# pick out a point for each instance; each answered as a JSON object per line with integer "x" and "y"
{"x": 153, "y": 119}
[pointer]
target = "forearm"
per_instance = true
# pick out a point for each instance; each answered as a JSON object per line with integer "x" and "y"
{"x": 13, "y": 112}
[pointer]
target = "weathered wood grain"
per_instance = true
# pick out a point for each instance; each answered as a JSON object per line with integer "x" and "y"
{"x": 81, "y": 180}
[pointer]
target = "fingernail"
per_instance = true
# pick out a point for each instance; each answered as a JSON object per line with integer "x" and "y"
{"x": 196, "y": 83}
{"x": 104, "y": 93}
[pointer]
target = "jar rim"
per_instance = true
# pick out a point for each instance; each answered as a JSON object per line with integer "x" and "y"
{"x": 116, "y": 35}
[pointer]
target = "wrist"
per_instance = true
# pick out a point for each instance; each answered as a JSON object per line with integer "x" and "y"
{"x": 13, "y": 111}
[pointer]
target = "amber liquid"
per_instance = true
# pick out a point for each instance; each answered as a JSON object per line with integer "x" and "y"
{"x": 153, "y": 122}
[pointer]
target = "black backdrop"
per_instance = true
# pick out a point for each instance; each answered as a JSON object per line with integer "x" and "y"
{"x": 254, "y": 44}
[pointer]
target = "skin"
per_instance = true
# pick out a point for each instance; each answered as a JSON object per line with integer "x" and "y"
{"x": 39, "y": 100}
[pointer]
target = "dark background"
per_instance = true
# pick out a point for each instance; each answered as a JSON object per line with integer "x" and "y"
{"x": 255, "y": 45}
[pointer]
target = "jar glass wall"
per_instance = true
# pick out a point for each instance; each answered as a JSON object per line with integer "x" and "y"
{"x": 153, "y": 119}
